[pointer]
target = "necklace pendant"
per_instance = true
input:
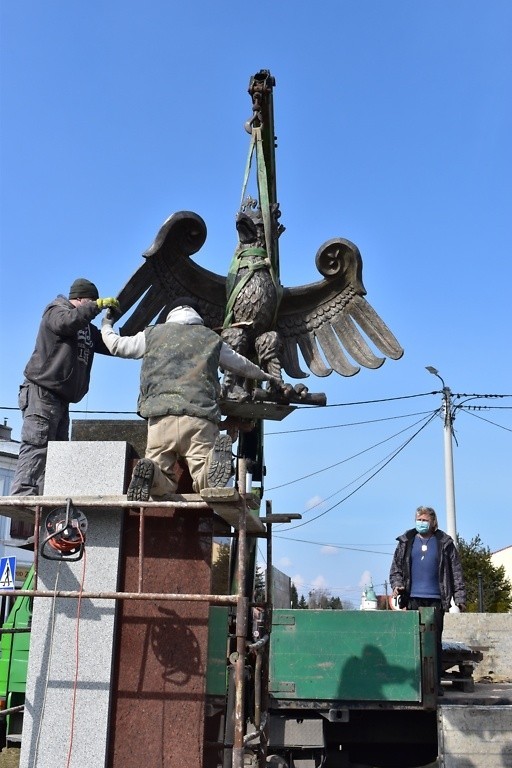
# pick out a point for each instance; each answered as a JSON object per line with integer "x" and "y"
{"x": 424, "y": 547}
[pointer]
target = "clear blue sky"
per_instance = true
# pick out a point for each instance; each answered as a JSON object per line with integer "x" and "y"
{"x": 393, "y": 121}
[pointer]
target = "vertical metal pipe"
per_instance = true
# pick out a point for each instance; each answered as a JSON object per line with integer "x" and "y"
{"x": 141, "y": 548}
{"x": 480, "y": 593}
{"x": 268, "y": 631}
{"x": 37, "y": 524}
{"x": 257, "y": 689}
{"x": 241, "y": 623}
{"x": 451, "y": 526}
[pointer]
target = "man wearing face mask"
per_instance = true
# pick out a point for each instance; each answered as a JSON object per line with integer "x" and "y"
{"x": 426, "y": 571}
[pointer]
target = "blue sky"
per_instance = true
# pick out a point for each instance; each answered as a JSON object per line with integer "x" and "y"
{"x": 393, "y": 123}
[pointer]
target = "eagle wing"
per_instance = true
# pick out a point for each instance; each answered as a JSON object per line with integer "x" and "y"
{"x": 332, "y": 317}
{"x": 168, "y": 272}
{"x": 329, "y": 317}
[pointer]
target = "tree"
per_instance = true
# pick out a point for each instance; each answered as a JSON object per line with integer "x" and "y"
{"x": 302, "y": 603}
{"x": 294, "y": 596}
{"x": 497, "y": 589}
{"x": 322, "y": 598}
{"x": 220, "y": 569}
{"x": 319, "y": 598}
{"x": 259, "y": 584}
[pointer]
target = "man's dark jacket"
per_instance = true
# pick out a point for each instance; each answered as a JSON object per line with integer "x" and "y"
{"x": 451, "y": 578}
{"x": 65, "y": 346}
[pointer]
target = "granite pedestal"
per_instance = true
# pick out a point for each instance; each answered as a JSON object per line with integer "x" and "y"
{"x": 118, "y": 683}
{"x": 72, "y": 641}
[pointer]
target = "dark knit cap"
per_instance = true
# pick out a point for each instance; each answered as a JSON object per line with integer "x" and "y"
{"x": 83, "y": 289}
{"x": 185, "y": 301}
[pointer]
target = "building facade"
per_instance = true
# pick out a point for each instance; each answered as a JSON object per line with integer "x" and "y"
{"x": 503, "y": 557}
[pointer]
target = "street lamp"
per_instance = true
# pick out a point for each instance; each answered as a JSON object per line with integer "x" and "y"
{"x": 451, "y": 527}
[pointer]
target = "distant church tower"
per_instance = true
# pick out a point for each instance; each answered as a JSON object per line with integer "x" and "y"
{"x": 369, "y": 599}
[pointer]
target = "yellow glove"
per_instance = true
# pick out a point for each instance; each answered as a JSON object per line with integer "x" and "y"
{"x": 108, "y": 303}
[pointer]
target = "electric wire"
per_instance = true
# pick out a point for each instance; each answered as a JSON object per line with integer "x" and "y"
{"x": 305, "y": 408}
{"x": 466, "y": 408}
{"x": 380, "y": 400}
{"x": 395, "y": 454}
{"x": 349, "y": 424}
{"x": 354, "y": 456}
{"x": 335, "y": 546}
{"x": 488, "y": 421}
{"x": 347, "y": 485}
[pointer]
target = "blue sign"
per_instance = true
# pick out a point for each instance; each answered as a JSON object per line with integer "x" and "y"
{"x": 7, "y": 573}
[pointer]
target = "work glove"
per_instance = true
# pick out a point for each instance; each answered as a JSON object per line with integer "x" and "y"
{"x": 109, "y": 303}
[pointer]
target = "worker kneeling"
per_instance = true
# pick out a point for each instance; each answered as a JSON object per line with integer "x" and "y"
{"x": 179, "y": 391}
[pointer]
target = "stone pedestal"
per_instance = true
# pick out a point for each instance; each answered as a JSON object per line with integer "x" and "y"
{"x": 161, "y": 662}
{"x": 116, "y": 684}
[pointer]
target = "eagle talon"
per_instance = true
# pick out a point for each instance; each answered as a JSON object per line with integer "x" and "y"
{"x": 237, "y": 394}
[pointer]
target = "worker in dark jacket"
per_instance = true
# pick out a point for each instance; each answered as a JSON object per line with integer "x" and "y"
{"x": 57, "y": 374}
{"x": 179, "y": 392}
{"x": 426, "y": 571}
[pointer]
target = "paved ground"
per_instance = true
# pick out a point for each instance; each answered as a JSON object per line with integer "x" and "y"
{"x": 9, "y": 758}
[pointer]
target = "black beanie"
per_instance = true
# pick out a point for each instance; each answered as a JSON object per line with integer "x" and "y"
{"x": 83, "y": 289}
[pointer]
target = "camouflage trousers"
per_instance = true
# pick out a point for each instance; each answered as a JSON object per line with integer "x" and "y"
{"x": 45, "y": 417}
{"x": 173, "y": 437}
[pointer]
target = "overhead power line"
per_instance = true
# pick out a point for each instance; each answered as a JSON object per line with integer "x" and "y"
{"x": 349, "y": 458}
{"x": 394, "y": 455}
{"x": 305, "y": 408}
{"x": 500, "y": 426}
{"x": 348, "y": 424}
{"x": 335, "y": 546}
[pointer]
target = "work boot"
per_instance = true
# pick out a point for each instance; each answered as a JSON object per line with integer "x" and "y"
{"x": 220, "y": 468}
{"x": 141, "y": 482}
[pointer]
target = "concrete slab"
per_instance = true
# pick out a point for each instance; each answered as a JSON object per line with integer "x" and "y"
{"x": 476, "y": 736}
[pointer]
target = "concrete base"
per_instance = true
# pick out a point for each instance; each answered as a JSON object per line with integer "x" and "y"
{"x": 479, "y": 737}
{"x": 490, "y": 633}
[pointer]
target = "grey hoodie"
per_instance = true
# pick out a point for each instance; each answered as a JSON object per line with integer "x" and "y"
{"x": 65, "y": 346}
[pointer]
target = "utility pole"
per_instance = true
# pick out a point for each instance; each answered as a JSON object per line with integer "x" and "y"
{"x": 451, "y": 526}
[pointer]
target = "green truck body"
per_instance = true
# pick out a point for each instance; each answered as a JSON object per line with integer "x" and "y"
{"x": 356, "y": 656}
{"x": 14, "y": 649}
